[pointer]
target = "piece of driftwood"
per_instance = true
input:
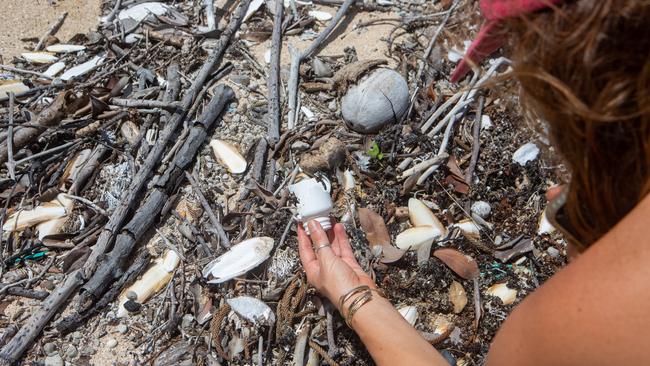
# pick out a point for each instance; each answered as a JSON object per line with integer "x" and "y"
{"x": 275, "y": 119}
{"x": 476, "y": 146}
{"x": 258, "y": 166}
{"x": 25, "y": 292}
{"x": 112, "y": 267}
{"x": 141, "y": 178}
{"x": 208, "y": 210}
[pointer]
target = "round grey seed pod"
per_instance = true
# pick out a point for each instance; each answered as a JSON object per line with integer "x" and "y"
{"x": 378, "y": 99}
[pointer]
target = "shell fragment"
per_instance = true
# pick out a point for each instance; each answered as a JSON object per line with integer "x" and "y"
{"x": 228, "y": 156}
{"x": 65, "y": 48}
{"x": 410, "y": 314}
{"x": 252, "y": 309}
{"x": 23, "y": 219}
{"x": 240, "y": 259}
{"x": 39, "y": 57}
{"x": 82, "y": 68}
{"x": 503, "y": 292}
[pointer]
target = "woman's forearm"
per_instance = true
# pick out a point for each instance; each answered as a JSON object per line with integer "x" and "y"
{"x": 390, "y": 339}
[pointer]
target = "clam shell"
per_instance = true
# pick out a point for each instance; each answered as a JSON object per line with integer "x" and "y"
{"x": 503, "y": 292}
{"x": 416, "y": 236}
{"x": 82, "y": 68}
{"x": 421, "y": 215}
{"x": 252, "y": 309}
{"x": 65, "y": 48}
{"x": 39, "y": 57}
{"x": 378, "y": 99}
{"x": 142, "y": 11}
{"x": 152, "y": 281}
{"x": 54, "y": 69}
{"x": 228, "y": 156}
{"x": 323, "y": 16}
{"x": 524, "y": 154}
{"x": 22, "y": 219}
{"x": 12, "y": 86}
{"x": 240, "y": 259}
{"x": 469, "y": 229}
{"x": 410, "y": 314}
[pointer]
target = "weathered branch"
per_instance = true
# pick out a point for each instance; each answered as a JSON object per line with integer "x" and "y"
{"x": 275, "y": 119}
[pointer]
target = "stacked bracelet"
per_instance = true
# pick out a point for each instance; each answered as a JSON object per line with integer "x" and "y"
{"x": 365, "y": 295}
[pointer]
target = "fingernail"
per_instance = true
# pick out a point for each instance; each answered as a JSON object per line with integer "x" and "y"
{"x": 313, "y": 225}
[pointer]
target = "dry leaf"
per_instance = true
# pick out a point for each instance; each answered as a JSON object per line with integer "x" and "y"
{"x": 458, "y": 262}
{"x": 378, "y": 236}
{"x": 457, "y": 296}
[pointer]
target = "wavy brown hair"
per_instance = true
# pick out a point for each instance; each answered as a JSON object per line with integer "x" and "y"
{"x": 584, "y": 69}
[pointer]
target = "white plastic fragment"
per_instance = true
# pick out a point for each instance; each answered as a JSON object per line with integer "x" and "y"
{"x": 252, "y": 8}
{"x": 152, "y": 281}
{"x": 12, "y": 86}
{"x": 410, "y": 314}
{"x": 267, "y": 56}
{"x": 544, "y": 226}
{"x": 252, "y": 309}
{"x": 65, "y": 48}
{"x": 82, "y": 68}
{"x": 228, "y": 156}
{"x": 141, "y": 11}
{"x": 240, "y": 259}
{"x": 39, "y": 57}
{"x": 54, "y": 69}
{"x": 486, "y": 122}
{"x": 527, "y": 152}
{"x": 323, "y": 16}
{"x": 503, "y": 292}
{"x": 308, "y": 113}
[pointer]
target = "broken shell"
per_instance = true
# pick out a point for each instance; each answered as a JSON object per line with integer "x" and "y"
{"x": 544, "y": 226}
{"x": 23, "y": 219}
{"x": 345, "y": 179}
{"x": 463, "y": 265}
{"x": 142, "y": 11}
{"x": 65, "y": 48}
{"x": 414, "y": 237}
{"x": 421, "y": 215}
{"x": 378, "y": 99}
{"x": 323, "y": 16}
{"x": 469, "y": 229}
{"x": 240, "y": 259}
{"x": 321, "y": 69}
{"x": 39, "y": 57}
{"x": 152, "y": 281}
{"x": 410, "y": 314}
{"x": 457, "y": 296}
{"x": 481, "y": 208}
{"x": 228, "y": 156}
{"x": 54, "y": 69}
{"x": 130, "y": 132}
{"x": 252, "y": 309}
{"x": 524, "y": 154}
{"x": 12, "y": 86}
{"x": 503, "y": 292}
{"x": 82, "y": 68}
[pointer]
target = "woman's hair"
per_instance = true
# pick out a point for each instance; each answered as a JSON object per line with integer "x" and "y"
{"x": 584, "y": 69}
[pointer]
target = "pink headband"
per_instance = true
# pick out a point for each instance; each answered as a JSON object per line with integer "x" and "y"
{"x": 488, "y": 40}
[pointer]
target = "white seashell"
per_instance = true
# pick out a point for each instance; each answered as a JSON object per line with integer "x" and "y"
{"x": 378, "y": 99}
{"x": 152, "y": 281}
{"x": 267, "y": 56}
{"x": 65, "y": 48}
{"x": 469, "y": 229}
{"x": 240, "y": 259}
{"x": 55, "y": 226}
{"x": 415, "y": 237}
{"x": 228, "y": 156}
{"x": 142, "y": 11}
{"x": 252, "y": 8}
{"x": 308, "y": 113}
{"x": 54, "y": 69}
{"x": 421, "y": 215}
{"x": 524, "y": 154}
{"x": 323, "y": 16}
{"x": 486, "y": 122}
{"x": 252, "y": 309}
{"x": 481, "y": 208}
{"x": 39, "y": 57}
{"x": 23, "y": 219}
{"x": 12, "y": 86}
{"x": 503, "y": 292}
{"x": 544, "y": 226}
{"x": 346, "y": 179}
{"x": 410, "y": 314}
{"x": 82, "y": 68}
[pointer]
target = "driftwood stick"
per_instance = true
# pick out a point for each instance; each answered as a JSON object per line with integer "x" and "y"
{"x": 25, "y": 292}
{"x": 476, "y": 133}
{"x": 297, "y": 58}
{"x": 427, "y": 52}
{"x": 223, "y": 237}
{"x": 11, "y": 164}
{"x": 88, "y": 169}
{"x": 258, "y": 166}
{"x": 275, "y": 120}
{"x": 154, "y": 156}
{"x": 50, "y": 32}
{"x": 145, "y": 103}
{"x": 113, "y": 265}
{"x": 209, "y": 14}
{"x": 109, "y": 18}
{"x": 14, "y": 349}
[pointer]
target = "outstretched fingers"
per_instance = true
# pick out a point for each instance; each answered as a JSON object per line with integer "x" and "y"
{"x": 306, "y": 251}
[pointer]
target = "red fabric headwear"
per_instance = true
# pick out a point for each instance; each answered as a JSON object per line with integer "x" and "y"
{"x": 488, "y": 40}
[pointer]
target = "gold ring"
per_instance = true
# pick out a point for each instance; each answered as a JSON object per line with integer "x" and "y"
{"x": 321, "y": 247}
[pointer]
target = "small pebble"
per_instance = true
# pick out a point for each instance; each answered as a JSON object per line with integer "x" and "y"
{"x": 131, "y": 295}
{"x": 87, "y": 351}
{"x": 187, "y": 321}
{"x": 111, "y": 343}
{"x": 122, "y": 329}
{"x": 48, "y": 285}
{"x": 55, "y": 360}
{"x": 71, "y": 351}
{"x": 49, "y": 349}
{"x": 481, "y": 208}
{"x": 553, "y": 252}
{"x": 332, "y": 106}
{"x": 132, "y": 306}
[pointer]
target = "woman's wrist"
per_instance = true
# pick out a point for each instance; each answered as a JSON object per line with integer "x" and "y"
{"x": 355, "y": 299}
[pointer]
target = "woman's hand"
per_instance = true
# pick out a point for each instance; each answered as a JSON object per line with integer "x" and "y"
{"x": 332, "y": 269}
